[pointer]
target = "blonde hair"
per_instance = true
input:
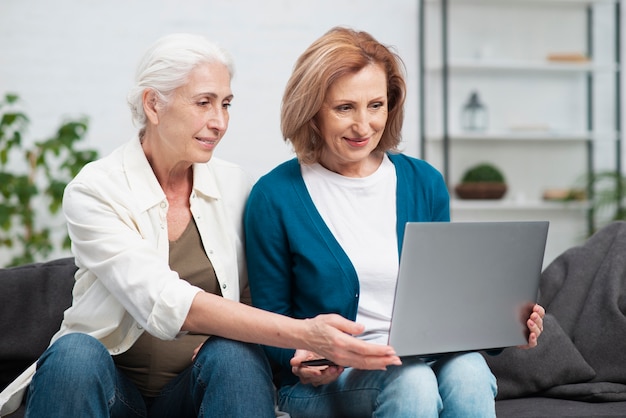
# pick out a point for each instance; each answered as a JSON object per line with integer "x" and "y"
{"x": 339, "y": 52}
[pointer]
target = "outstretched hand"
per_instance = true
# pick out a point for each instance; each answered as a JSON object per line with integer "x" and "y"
{"x": 331, "y": 336}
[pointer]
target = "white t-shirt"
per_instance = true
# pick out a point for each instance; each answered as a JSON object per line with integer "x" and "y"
{"x": 361, "y": 214}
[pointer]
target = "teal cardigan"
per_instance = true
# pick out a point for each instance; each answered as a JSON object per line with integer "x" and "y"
{"x": 296, "y": 267}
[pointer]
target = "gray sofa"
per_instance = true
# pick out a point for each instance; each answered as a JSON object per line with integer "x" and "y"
{"x": 578, "y": 370}
{"x": 579, "y": 366}
{"x": 32, "y": 300}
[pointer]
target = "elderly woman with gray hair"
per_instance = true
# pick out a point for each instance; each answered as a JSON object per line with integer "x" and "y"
{"x": 156, "y": 327}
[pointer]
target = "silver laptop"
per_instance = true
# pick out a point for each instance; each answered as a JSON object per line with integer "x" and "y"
{"x": 466, "y": 286}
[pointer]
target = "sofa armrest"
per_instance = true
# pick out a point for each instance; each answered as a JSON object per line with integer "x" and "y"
{"x": 32, "y": 301}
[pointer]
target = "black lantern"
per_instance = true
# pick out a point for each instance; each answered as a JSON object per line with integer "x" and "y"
{"x": 474, "y": 115}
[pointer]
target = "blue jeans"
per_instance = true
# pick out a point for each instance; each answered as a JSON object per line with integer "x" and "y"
{"x": 76, "y": 376}
{"x": 454, "y": 386}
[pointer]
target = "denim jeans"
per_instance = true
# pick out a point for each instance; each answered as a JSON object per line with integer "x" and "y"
{"x": 76, "y": 376}
{"x": 454, "y": 386}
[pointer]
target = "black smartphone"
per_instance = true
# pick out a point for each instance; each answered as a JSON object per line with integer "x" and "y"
{"x": 318, "y": 362}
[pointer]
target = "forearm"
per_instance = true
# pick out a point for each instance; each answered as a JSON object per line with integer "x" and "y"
{"x": 328, "y": 335}
{"x": 214, "y": 315}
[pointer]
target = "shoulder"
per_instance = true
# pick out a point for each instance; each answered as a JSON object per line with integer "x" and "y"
{"x": 404, "y": 161}
{"x": 280, "y": 189}
{"x": 222, "y": 178}
{"x": 101, "y": 182}
{"x": 107, "y": 167}
{"x": 282, "y": 175}
{"x": 407, "y": 164}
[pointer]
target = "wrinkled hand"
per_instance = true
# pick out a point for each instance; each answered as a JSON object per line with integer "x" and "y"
{"x": 331, "y": 337}
{"x": 315, "y": 375}
{"x": 535, "y": 326}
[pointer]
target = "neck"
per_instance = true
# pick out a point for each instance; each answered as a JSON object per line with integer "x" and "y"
{"x": 356, "y": 169}
{"x": 171, "y": 174}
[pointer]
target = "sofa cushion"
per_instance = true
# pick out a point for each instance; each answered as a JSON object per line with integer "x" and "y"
{"x": 555, "y": 361}
{"x": 553, "y": 408}
{"x": 32, "y": 302}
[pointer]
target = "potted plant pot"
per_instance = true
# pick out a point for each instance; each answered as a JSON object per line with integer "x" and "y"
{"x": 483, "y": 181}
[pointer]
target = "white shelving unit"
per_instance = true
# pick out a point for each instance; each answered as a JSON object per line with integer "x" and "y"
{"x": 551, "y": 121}
{"x": 523, "y": 66}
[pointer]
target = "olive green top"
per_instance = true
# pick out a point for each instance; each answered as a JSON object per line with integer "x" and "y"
{"x": 151, "y": 363}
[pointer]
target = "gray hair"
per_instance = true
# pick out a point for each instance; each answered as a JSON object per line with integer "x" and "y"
{"x": 166, "y": 66}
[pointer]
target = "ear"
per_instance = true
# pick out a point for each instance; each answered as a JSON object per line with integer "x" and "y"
{"x": 150, "y": 102}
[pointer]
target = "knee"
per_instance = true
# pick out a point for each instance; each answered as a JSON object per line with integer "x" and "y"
{"x": 74, "y": 357}
{"x": 230, "y": 358}
{"x": 468, "y": 373}
{"x": 467, "y": 387}
{"x": 235, "y": 368}
{"x": 415, "y": 379}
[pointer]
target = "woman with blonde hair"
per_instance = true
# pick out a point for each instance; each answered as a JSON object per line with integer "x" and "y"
{"x": 324, "y": 234}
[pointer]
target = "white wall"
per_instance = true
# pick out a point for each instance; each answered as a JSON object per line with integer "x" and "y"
{"x": 77, "y": 57}
{"x": 71, "y": 57}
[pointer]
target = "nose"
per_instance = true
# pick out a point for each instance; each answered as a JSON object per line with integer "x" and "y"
{"x": 361, "y": 122}
{"x": 218, "y": 120}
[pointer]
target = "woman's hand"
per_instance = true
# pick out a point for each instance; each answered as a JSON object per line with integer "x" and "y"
{"x": 315, "y": 375}
{"x": 331, "y": 337}
{"x": 535, "y": 326}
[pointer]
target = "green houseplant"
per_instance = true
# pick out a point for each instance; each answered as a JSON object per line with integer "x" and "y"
{"x": 32, "y": 180}
{"x": 482, "y": 181}
{"x": 607, "y": 198}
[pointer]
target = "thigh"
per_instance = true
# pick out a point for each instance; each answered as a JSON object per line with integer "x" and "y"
{"x": 351, "y": 395}
{"x": 227, "y": 378}
{"x": 467, "y": 386}
{"x": 399, "y": 391}
{"x": 77, "y": 373}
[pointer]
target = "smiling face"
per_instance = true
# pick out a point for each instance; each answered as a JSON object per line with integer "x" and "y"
{"x": 352, "y": 121}
{"x": 188, "y": 128}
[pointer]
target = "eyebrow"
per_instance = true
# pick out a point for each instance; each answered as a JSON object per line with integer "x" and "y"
{"x": 348, "y": 101}
{"x": 212, "y": 95}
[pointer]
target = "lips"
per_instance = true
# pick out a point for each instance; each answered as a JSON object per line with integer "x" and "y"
{"x": 357, "y": 142}
{"x": 207, "y": 141}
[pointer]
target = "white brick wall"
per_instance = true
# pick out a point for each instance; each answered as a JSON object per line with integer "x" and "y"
{"x": 71, "y": 57}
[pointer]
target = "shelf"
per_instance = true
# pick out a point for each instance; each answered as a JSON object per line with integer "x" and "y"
{"x": 525, "y": 66}
{"x": 547, "y": 136}
{"x": 531, "y": 2}
{"x": 493, "y": 53}
{"x": 513, "y": 205}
